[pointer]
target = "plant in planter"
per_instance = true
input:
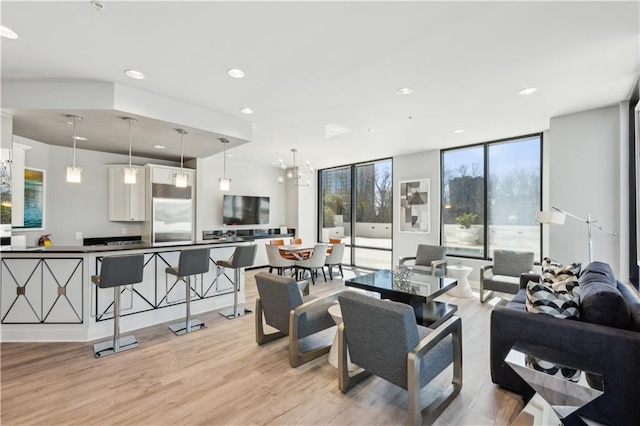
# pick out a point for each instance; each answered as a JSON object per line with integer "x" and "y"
{"x": 465, "y": 234}
{"x": 465, "y": 220}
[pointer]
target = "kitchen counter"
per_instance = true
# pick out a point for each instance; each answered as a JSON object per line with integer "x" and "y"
{"x": 47, "y": 293}
{"x": 105, "y": 248}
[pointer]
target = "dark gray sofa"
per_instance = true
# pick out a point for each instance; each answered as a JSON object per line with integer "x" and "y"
{"x": 613, "y": 353}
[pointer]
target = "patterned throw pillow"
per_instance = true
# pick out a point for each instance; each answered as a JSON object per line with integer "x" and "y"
{"x": 552, "y": 271}
{"x": 560, "y": 299}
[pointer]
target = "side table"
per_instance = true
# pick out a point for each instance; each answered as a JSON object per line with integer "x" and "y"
{"x": 336, "y": 314}
{"x": 461, "y": 274}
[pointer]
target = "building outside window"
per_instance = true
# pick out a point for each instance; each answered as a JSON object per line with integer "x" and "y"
{"x": 362, "y": 192}
{"x": 491, "y": 193}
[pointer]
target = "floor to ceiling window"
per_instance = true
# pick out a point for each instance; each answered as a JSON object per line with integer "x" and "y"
{"x": 491, "y": 193}
{"x": 355, "y": 205}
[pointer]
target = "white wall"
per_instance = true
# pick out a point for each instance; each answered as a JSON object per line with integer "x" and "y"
{"x": 585, "y": 168}
{"x": 71, "y": 207}
{"x": 246, "y": 179}
{"x": 420, "y": 165}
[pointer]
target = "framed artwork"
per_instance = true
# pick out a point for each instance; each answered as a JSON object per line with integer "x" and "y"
{"x": 34, "y": 199}
{"x": 415, "y": 203}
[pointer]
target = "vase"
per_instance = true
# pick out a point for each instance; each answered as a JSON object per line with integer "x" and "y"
{"x": 467, "y": 236}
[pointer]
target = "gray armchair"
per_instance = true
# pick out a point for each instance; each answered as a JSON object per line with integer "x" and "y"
{"x": 382, "y": 338}
{"x": 429, "y": 259}
{"x": 504, "y": 275}
{"x": 301, "y": 319}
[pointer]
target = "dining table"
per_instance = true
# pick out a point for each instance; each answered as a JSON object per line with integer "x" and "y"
{"x": 299, "y": 251}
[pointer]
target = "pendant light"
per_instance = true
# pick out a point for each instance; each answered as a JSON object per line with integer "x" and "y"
{"x": 293, "y": 173}
{"x": 181, "y": 177}
{"x": 74, "y": 174}
{"x": 130, "y": 173}
{"x": 225, "y": 184}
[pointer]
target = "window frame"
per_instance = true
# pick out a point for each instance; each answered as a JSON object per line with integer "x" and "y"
{"x": 353, "y": 182}
{"x": 485, "y": 179}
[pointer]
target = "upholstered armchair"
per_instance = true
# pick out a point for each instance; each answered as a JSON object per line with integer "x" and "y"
{"x": 429, "y": 259}
{"x": 382, "y": 338}
{"x": 504, "y": 274}
{"x": 285, "y": 309}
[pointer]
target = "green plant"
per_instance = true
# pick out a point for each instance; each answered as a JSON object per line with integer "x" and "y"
{"x": 466, "y": 219}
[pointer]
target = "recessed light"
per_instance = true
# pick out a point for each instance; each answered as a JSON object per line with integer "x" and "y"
{"x": 459, "y": 131}
{"x": 135, "y": 74}
{"x": 372, "y": 130}
{"x": 235, "y": 73}
{"x": 246, "y": 110}
{"x": 99, "y": 6}
{"x": 159, "y": 146}
{"x": 229, "y": 155}
{"x": 80, "y": 138}
{"x": 7, "y": 33}
{"x": 527, "y": 91}
{"x": 404, "y": 91}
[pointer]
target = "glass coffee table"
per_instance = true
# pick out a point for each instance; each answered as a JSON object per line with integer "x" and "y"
{"x": 555, "y": 397}
{"x": 413, "y": 288}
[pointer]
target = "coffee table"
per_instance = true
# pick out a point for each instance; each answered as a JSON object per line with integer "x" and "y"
{"x": 419, "y": 291}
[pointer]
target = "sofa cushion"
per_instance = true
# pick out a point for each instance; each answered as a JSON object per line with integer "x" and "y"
{"x": 560, "y": 300}
{"x": 512, "y": 263}
{"x": 600, "y": 303}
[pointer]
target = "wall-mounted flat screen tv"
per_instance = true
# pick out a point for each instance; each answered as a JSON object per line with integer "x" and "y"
{"x": 245, "y": 210}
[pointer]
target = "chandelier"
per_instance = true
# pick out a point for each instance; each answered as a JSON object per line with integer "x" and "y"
{"x": 293, "y": 173}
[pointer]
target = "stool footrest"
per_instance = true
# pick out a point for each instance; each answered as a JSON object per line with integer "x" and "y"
{"x": 240, "y": 312}
{"x": 181, "y": 328}
{"x": 105, "y": 348}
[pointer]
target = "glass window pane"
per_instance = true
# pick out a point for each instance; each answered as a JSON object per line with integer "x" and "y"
{"x": 336, "y": 206}
{"x": 370, "y": 258}
{"x": 374, "y": 190}
{"x": 463, "y": 201}
{"x": 513, "y": 195}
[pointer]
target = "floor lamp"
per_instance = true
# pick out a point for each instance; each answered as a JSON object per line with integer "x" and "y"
{"x": 557, "y": 216}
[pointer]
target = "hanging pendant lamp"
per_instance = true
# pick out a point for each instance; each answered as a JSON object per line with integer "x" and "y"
{"x": 130, "y": 173}
{"x": 181, "y": 177}
{"x": 74, "y": 174}
{"x": 225, "y": 184}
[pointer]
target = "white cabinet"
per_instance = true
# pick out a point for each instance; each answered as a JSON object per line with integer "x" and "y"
{"x": 126, "y": 201}
{"x": 167, "y": 175}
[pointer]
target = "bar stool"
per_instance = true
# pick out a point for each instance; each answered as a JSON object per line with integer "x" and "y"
{"x": 243, "y": 257}
{"x": 191, "y": 262}
{"x": 117, "y": 271}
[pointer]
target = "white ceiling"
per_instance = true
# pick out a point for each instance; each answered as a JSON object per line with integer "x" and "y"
{"x": 309, "y": 64}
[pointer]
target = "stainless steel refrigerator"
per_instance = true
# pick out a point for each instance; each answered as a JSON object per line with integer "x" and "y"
{"x": 171, "y": 214}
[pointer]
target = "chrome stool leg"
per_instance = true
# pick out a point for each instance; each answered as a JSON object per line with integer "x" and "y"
{"x": 188, "y": 325}
{"x": 235, "y": 312}
{"x": 117, "y": 344}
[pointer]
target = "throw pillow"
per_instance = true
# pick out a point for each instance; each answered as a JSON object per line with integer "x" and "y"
{"x": 603, "y": 304}
{"x": 552, "y": 271}
{"x": 560, "y": 300}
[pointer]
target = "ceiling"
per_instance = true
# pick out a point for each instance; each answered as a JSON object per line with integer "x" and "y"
{"x": 311, "y": 64}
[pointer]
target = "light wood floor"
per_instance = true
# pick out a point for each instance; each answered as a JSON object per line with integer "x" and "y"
{"x": 220, "y": 376}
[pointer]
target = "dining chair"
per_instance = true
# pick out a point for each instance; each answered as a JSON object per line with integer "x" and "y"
{"x": 335, "y": 259}
{"x": 313, "y": 263}
{"x": 278, "y": 261}
{"x": 296, "y": 241}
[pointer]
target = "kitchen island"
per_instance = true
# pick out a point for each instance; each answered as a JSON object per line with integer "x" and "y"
{"x": 47, "y": 293}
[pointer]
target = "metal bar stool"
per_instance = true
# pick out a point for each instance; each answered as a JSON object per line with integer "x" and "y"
{"x": 117, "y": 271}
{"x": 243, "y": 257}
{"x": 191, "y": 262}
